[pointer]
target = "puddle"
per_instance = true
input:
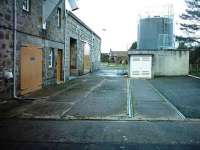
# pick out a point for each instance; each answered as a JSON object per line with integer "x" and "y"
{"x": 112, "y": 73}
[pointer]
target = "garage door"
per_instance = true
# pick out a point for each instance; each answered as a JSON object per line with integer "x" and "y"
{"x": 140, "y": 66}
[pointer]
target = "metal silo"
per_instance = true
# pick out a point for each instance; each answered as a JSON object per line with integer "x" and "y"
{"x": 155, "y": 33}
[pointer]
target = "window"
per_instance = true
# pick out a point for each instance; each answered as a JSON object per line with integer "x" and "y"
{"x": 44, "y": 25}
{"x": 51, "y": 54}
{"x": 26, "y": 5}
{"x": 59, "y": 17}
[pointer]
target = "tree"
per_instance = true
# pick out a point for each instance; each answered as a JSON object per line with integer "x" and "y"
{"x": 195, "y": 56}
{"x": 133, "y": 46}
{"x": 191, "y": 21}
{"x": 183, "y": 43}
{"x": 104, "y": 57}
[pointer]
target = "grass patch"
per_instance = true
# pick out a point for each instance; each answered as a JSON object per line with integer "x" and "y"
{"x": 195, "y": 74}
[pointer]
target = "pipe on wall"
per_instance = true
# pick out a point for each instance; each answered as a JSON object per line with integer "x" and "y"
{"x": 14, "y": 47}
{"x": 14, "y": 30}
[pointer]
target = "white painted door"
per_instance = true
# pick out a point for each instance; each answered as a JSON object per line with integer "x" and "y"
{"x": 140, "y": 66}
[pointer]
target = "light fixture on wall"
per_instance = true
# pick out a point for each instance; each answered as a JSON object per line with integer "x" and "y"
{"x": 73, "y": 4}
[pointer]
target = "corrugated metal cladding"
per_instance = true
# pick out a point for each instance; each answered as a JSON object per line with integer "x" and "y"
{"x": 155, "y": 33}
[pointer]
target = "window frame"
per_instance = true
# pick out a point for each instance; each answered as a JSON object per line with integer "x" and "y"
{"x": 26, "y": 5}
{"x": 51, "y": 58}
{"x": 58, "y": 17}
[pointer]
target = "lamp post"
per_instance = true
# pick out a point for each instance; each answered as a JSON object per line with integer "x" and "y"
{"x": 104, "y": 30}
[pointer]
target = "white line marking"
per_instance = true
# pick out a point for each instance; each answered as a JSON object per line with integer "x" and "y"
{"x": 64, "y": 112}
{"x": 128, "y": 97}
{"x": 94, "y": 88}
{"x": 194, "y": 76}
{"x": 129, "y": 104}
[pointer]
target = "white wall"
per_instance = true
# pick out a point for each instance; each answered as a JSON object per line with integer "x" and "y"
{"x": 167, "y": 62}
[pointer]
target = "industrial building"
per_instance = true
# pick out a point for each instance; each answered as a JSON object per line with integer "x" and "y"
{"x": 156, "y": 33}
{"x": 156, "y": 54}
{"x": 151, "y": 63}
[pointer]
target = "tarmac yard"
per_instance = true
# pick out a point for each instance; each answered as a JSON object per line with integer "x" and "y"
{"x": 101, "y": 111}
{"x": 182, "y": 92}
{"x": 101, "y": 96}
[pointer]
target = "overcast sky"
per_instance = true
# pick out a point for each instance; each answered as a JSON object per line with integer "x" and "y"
{"x": 115, "y": 21}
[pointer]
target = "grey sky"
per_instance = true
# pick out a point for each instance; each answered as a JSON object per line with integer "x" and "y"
{"x": 119, "y": 18}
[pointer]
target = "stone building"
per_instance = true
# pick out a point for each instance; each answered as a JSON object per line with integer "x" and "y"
{"x": 81, "y": 41}
{"x": 52, "y": 44}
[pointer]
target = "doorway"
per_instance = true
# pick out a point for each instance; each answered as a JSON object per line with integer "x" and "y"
{"x": 86, "y": 58}
{"x": 59, "y": 76}
{"x": 73, "y": 56}
{"x": 30, "y": 79}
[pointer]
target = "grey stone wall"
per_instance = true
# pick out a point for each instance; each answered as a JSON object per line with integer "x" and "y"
{"x": 54, "y": 32}
{"x": 6, "y": 43}
{"x": 96, "y": 53}
{"x": 78, "y": 30}
{"x": 29, "y": 27}
{"x": 29, "y": 31}
{"x": 30, "y": 22}
{"x": 5, "y": 34}
{"x": 55, "y": 36}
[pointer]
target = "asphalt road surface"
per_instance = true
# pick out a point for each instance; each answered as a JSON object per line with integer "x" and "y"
{"x": 182, "y": 92}
{"x": 99, "y": 135}
{"x": 92, "y": 99}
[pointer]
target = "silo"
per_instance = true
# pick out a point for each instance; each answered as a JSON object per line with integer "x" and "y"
{"x": 155, "y": 33}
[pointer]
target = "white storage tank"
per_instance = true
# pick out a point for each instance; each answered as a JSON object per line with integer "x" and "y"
{"x": 156, "y": 33}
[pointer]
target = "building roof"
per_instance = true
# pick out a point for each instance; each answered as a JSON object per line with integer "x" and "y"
{"x": 82, "y": 23}
{"x": 119, "y": 53}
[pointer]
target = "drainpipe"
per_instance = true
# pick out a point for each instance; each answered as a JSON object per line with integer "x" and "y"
{"x": 92, "y": 53}
{"x": 65, "y": 45}
{"x": 14, "y": 48}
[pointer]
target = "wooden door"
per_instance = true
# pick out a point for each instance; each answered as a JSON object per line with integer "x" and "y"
{"x": 31, "y": 69}
{"x": 86, "y": 59}
{"x": 59, "y": 66}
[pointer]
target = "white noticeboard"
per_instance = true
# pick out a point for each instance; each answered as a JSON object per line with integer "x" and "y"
{"x": 141, "y": 66}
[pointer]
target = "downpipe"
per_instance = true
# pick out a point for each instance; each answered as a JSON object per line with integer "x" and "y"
{"x": 14, "y": 49}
